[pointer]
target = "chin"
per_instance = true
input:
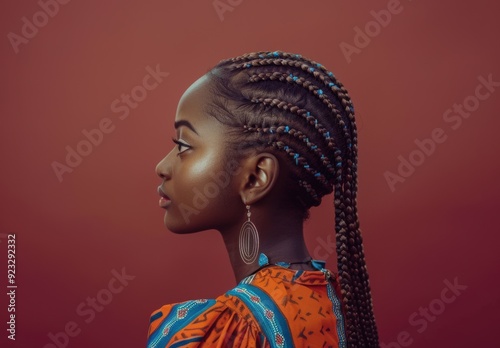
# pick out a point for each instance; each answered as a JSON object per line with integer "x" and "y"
{"x": 179, "y": 226}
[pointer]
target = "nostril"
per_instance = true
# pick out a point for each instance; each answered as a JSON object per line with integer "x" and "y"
{"x": 162, "y": 172}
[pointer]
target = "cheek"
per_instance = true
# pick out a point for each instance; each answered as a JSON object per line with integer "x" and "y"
{"x": 202, "y": 179}
{"x": 197, "y": 167}
{"x": 207, "y": 195}
{"x": 202, "y": 165}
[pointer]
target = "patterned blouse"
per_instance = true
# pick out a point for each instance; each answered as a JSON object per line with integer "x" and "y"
{"x": 274, "y": 307}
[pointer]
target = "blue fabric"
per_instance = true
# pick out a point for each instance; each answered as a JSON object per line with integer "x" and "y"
{"x": 260, "y": 303}
{"x": 176, "y": 321}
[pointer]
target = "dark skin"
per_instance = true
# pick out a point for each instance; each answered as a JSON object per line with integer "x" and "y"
{"x": 204, "y": 192}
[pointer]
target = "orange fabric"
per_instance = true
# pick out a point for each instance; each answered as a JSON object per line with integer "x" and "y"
{"x": 288, "y": 312}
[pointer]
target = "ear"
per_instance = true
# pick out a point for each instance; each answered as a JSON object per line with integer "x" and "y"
{"x": 260, "y": 174}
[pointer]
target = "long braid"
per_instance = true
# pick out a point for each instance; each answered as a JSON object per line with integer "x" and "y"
{"x": 317, "y": 133}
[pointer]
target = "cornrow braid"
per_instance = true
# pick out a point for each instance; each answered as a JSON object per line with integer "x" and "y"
{"x": 304, "y": 64}
{"x": 299, "y": 109}
{"x": 306, "y": 84}
{"x": 298, "y": 58}
{"x": 283, "y": 105}
{"x": 300, "y": 135}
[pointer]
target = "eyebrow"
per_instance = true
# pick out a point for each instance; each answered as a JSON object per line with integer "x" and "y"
{"x": 185, "y": 123}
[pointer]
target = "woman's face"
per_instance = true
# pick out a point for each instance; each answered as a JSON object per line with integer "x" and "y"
{"x": 199, "y": 184}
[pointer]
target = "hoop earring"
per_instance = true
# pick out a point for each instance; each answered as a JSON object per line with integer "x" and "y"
{"x": 248, "y": 240}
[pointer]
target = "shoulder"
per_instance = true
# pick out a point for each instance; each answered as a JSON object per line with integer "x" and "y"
{"x": 291, "y": 305}
{"x": 267, "y": 306}
{"x": 201, "y": 323}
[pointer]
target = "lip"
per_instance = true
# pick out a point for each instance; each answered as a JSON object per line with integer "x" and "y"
{"x": 164, "y": 199}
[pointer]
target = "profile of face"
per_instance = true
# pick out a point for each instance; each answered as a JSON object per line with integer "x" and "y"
{"x": 198, "y": 189}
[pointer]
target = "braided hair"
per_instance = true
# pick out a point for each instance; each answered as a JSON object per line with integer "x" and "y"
{"x": 297, "y": 109}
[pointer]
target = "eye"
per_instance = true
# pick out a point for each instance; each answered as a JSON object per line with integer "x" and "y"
{"x": 180, "y": 145}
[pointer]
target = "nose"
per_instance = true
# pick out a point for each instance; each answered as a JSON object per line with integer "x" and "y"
{"x": 164, "y": 168}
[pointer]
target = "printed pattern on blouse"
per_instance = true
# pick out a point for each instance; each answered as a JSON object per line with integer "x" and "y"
{"x": 181, "y": 315}
{"x": 276, "y": 307}
{"x": 269, "y": 316}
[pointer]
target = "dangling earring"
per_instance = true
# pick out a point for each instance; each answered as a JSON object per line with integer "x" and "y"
{"x": 248, "y": 240}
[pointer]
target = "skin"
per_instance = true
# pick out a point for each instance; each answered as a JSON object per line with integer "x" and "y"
{"x": 207, "y": 193}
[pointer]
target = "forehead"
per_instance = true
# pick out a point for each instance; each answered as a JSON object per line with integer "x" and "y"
{"x": 194, "y": 97}
{"x": 192, "y": 108}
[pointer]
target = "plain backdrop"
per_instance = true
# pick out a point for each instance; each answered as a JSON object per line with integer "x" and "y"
{"x": 434, "y": 226}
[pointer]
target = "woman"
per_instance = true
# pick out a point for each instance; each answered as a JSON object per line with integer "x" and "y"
{"x": 260, "y": 139}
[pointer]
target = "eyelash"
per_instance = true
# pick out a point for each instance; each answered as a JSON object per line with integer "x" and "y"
{"x": 180, "y": 144}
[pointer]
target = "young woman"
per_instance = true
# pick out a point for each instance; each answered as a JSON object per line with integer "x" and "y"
{"x": 260, "y": 139}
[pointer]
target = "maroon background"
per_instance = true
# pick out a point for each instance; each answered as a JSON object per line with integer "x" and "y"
{"x": 437, "y": 225}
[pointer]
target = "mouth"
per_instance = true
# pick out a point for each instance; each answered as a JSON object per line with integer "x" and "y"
{"x": 164, "y": 199}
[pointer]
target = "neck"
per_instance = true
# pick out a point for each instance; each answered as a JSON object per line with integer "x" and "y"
{"x": 280, "y": 238}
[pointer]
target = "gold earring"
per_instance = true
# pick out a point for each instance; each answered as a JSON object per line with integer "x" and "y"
{"x": 248, "y": 240}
